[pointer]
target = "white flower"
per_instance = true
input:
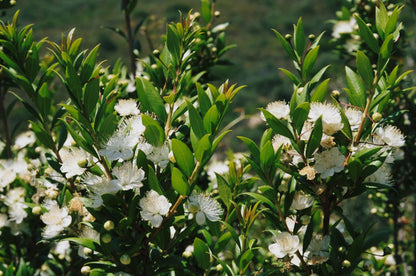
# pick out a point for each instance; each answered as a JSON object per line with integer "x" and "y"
{"x": 24, "y": 139}
{"x": 159, "y": 156}
{"x": 286, "y": 244}
{"x": 15, "y": 200}
{"x": 391, "y": 135}
{"x": 318, "y": 249}
{"x": 204, "y": 207}
{"x": 291, "y": 223}
{"x": 154, "y": 206}
{"x": 3, "y": 221}
{"x": 126, "y": 107}
{"x": 128, "y": 176}
{"x": 119, "y": 147}
{"x": 329, "y": 162}
{"x": 74, "y": 161}
{"x": 56, "y": 219}
{"x": 301, "y": 201}
{"x": 355, "y": 117}
{"x": 309, "y": 172}
{"x": 280, "y": 141}
{"x": 327, "y": 142}
{"x": 7, "y": 175}
{"x": 331, "y": 117}
{"x": 381, "y": 176}
{"x": 132, "y": 126}
{"x": 279, "y": 109}
{"x": 343, "y": 27}
{"x": 63, "y": 250}
{"x": 98, "y": 186}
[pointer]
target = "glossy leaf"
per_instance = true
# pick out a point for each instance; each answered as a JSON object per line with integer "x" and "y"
{"x": 356, "y": 91}
{"x": 203, "y": 148}
{"x": 173, "y": 43}
{"x": 286, "y": 45}
{"x": 224, "y": 190}
{"x": 319, "y": 95}
{"x": 278, "y": 126}
{"x": 364, "y": 68}
{"x": 197, "y": 124}
{"x": 150, "y": 99}
{"x": 183, "y": 156}
{"x": 309, "y": 62}
{"x": 179, "y": 182}
{"x": 367, "y": 35}
{"x": 154, "y": 133}
{"x": 300, "y": 115}
{"x": 91, "y": 94}
{"x": 299, "y": 39}
{"x": 202, "y": 254}
{"x": 315, "y": 138}
{"x": 206, "y": 10}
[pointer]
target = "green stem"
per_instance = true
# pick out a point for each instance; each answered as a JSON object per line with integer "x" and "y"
{"x": 129, "y": 37}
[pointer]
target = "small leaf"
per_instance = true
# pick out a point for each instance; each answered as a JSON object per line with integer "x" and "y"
{"x": 86, "y": 242}
{"x": 211, "y": 119}
{"x": 364, "y": 68}
{"x": 278, "y": 126}
{"x": 202, "y": 254}
{"x": 381, "y": 19}
{"x": 179, "y": 182}
{"x": 315, "y": 138}
{"x": 367, "y": 35}
{"x": 173, "y": 43}
{"x": 262, "y": 199}
{"x": 73, "y": 82}
{"x": 150, "y": 99}
{"x": 224, "y": 190}
{"x": 291, "y": 76}
{"x": 266, "y": 156}
{"x": 89, "y": 65}
{"x": 299, "y": 38}
{"x": 300, "y": 115}
{"x": 286, "y": 45}
{"x": 154, "y": 133}
{"x": 319, "y": 95}
{"x": 195, "y": 119}
{"x": 309, "y": 62}
{"x": 183, "y": 156}
{"x": 356, "y": 92}
{"x": 206, "y": 10}
{"x": 91, "y": 94}
{"x": 41, "y": 134}
{"x": 254, "y": 150}
{"x": 203, "y": 148}
{"x": 153, "y": 181}
{"x": 355, "y": 169}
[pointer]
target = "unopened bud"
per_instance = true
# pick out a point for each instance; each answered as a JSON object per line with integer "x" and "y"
{"x": 36, "y": 210}
{"x": 311, "y": 37}
{"x": 172, "y": 157}
{"x": 109, "y": 225}
{"x": 85, "y": 270}
{"x": 219, "y": 267}
{"x": 217, "y": 13}
{"x": 341, "y": 249}
{"x": 154, "y": 66}
{"x": 377, "y": 117}
{"x": 125, "y": 259}
{"x": 156, "y": 52}
{"x": 83, "y": 163}
{"x": 336, "y": 94}
{"x": 288, "y": 37}
{"x": 106, "y": 238}
{"x": 346, "y": 263}
{"x": 87, "y": 251}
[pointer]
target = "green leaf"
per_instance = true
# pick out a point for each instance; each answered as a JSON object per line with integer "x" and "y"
{"x": 86, "y": 242}
{"x": 309, "y": 62}
{"x": 267, "y": 156}
{"x": 319, "y": 95}
{"x": 356, "y": 90}
{"x": 203, "y": 99}
{"x": 154, "y": 133}
{"x": 315, "y": 138}
{"x": 355, "y": 169}
{"x": 206, "y": 10}
{"x": 392, "y": 22}
{"x": 153, "y": 181}
{"x": 254, "y": 150}
{"x": 387, "y": 47}
{"x": 278, "y": 126}
{"x": 262, "y": 199}
{"x": 291, "y": 76}
{"x": 173, "y": 42}
{"x": 179, "y": 182}
{"x": 202, "y": 254}
{"x": 367, "y": 35}
{"x": 89, "y": 65}
{"x": 43, "y": 101}
{"x": 183, "y": 156}
{"x": 150, "y": 99}
{"x": 381, "y": 19}
{"x": 364, "y": 68}
{"x": 43, "y": 136}
{"x": 212, "y": 119}
{"x": 300, "y": 115}
{"x": 73, "y": 82}
{"x": 203, "y": 148}
{"x": 308, "y": 234}
{"x": 91, "y": 94}
{"x": 346, "y": 129}
{"x": 286, "y": 46}
{"x": 299, "y": 38}
{"x": 224, "y": 190}
{"x": 195, "y": 119}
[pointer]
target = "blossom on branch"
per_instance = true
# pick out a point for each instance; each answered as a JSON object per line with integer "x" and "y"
{"x": 154, "y": 206}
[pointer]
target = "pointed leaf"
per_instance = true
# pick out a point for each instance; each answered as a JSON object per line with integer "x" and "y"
{"x": 150, "y": 99}
{"x": 197, "y": 124}
{"x": 154, "y": 133}
{"x": 202, "y": 254}
{"x": 356, "y": 92}
{"x": 278, "y": 126}
{"x": 299, "y": 38}
{"x": 315, "y": 138}
{"x": 183, "y": 156}
{"x": 364, "y": 68}
{"x": 367, "y": 35}
{"x": 309, "y": 62}
{"x": 319, "y": 95}
{"x": 179, "y": 182}
{"x": 300, "y": 115}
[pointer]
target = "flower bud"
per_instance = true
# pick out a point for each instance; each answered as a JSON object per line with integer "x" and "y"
{"x": 311, "y": 37}
{"x": 85, "y": 270}
{"x": 219, "y": 267}
{"x": 341, "y": 249}
{"x": 109, "y": 225}
{"x": 154, "y": 66}
{"x": 83, "y": 163}
{"x": 87, "y": 251}
{"x": 288, "y": 37}
{"x": 172, "y": 157}
{"x": 377, "y": 117}
{"x": 217, "y": 13}
{"x": 336, "y": 94}
{"x": 156, "y": 52}
{"x": 36, "y": 210}
{"x": 106, "y": 238}
{"x": 346, "y": 263}
{"x": 125, "y": 259}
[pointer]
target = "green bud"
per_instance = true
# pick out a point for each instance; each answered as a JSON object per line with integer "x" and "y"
{"x": 341, "y": 249}
{"x": 125, "y": 259}
{"x": 288, "y": 37}
{"x": 36, "y": 210}
{"x": 106, "y": 238}
{"x": 377, "y": 117}
{"x": 85, "y": 270}
{"x": 156, "y": 52}
{"x": 346, "y": 263}
{"x": 109, "y": 225}
{"x": 311, "y": 37}
{"x": 87, "y": 251}
{"x": 83, "y": 163}
{"x": 336, "y": 94}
